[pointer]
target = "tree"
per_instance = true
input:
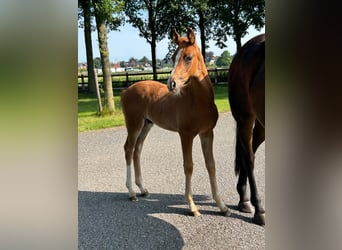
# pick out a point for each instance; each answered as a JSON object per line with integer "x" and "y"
{"x": 196, "y": 14}
{"x": 86, "y": 13}
{"x": 132, "y": 62}
{"x": 224, "y": 60}
{"x": 108, "y": 16}
{"x": 155, "y": 19}
{"x": 202, "y": 13}
{"x": 122, "y": 64}
{"x": 234, "y": 17}
{"x": 208, "y": 56}
{"x": 145, "y": 23}
{"x": 144, "y": 60}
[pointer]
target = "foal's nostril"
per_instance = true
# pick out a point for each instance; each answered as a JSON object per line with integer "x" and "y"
{"x": 173, "y": 85}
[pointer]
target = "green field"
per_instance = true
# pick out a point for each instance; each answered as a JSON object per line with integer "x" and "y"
{"x": 89, "y": 120}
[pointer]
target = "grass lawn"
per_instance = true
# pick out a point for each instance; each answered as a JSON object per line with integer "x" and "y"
{"x": 89, "y": 120}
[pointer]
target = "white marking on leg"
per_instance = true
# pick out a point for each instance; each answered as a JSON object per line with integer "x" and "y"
{"x": 140, "y": 184}
{"x": 129, "y": 181}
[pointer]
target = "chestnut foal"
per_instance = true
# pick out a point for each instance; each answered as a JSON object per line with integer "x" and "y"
{"x": 186, "y": 105}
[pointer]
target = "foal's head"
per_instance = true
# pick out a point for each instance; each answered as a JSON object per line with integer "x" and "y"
{"x": 188, "y": 61}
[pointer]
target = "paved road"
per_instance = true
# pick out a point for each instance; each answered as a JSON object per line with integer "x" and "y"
{"x": 108, "y": 220}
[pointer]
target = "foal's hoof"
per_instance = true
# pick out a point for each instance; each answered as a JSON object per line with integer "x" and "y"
{"x": 133, "y": 198}
{"x": 259, "y": 219}
{"x": 196, "y": 213}
{"x": 145, "y": 194}
{"x": 245, "y": 207}
{"x": 226, "y": 213}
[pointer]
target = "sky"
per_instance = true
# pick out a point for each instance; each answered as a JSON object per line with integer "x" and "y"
{"x": 127, "y": 43}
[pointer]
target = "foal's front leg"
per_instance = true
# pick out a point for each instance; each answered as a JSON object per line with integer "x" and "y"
{"x": 187, "y": 141}
{"x": 207, "y": 148}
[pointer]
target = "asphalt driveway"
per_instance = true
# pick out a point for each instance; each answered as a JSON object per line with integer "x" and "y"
{"x": 108, "y": 220}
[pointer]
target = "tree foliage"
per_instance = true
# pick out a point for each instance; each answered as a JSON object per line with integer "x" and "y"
{"x": 234, "y": 17}
{"x": 155, "y": 19}
{"x": 196, "y": 14}
{"x": 158, "y": 17}
{"x": 224, "y": 60}
{"x": 144, "y": 60}
{"x": 110, "y": 13}
{"x": 97, "y": 63}
{"x": 202, "y": 13}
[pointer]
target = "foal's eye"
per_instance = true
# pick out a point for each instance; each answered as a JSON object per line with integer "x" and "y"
{"x": 188, "y": 58}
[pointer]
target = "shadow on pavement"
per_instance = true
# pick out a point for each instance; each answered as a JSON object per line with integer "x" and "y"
{"x": 111, "y": 221}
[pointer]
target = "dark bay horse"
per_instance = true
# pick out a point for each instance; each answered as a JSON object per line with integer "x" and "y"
{"x": 186, "y": 105}
{"x": 246, "y": 93}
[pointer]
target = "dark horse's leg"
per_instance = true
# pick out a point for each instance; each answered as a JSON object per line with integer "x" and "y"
{"x": 258, "y": 135}
{"x": 244, "y": 203}
{"x": 258, "y": 138}
{"x": 248, "y": 140}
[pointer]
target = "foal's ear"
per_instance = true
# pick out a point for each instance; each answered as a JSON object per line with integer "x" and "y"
{"x": 191, "y": 36}
{"x": 175, "y": 36}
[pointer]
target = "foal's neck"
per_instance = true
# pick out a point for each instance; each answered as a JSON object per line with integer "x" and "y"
{"x": 202, "y": 89}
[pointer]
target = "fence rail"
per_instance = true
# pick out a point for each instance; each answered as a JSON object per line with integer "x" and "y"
{"x": 123, "y": 80}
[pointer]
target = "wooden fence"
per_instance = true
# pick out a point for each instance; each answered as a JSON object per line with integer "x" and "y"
{"x": 123, "y": 80}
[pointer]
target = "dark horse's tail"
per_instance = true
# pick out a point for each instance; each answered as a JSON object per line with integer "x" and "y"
{"x": 238, "y": 151}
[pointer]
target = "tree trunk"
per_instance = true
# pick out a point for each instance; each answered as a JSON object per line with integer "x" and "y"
{"x": 88, "y": 45}
{"x": 154, "y": 60}
{"x": 202, "y": 32}
{"x": 98, "y": 95}
{"x": 236, "y": 26}
{"x": 104, "y": 53}
{"x": 152, "y": 23}
{"x": 238, "y": 43}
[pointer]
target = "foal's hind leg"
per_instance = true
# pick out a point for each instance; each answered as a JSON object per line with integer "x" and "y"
{"x": 207, "y": 148}
{"x": 136, "y": 157}
{"x": 133, "y": 131}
